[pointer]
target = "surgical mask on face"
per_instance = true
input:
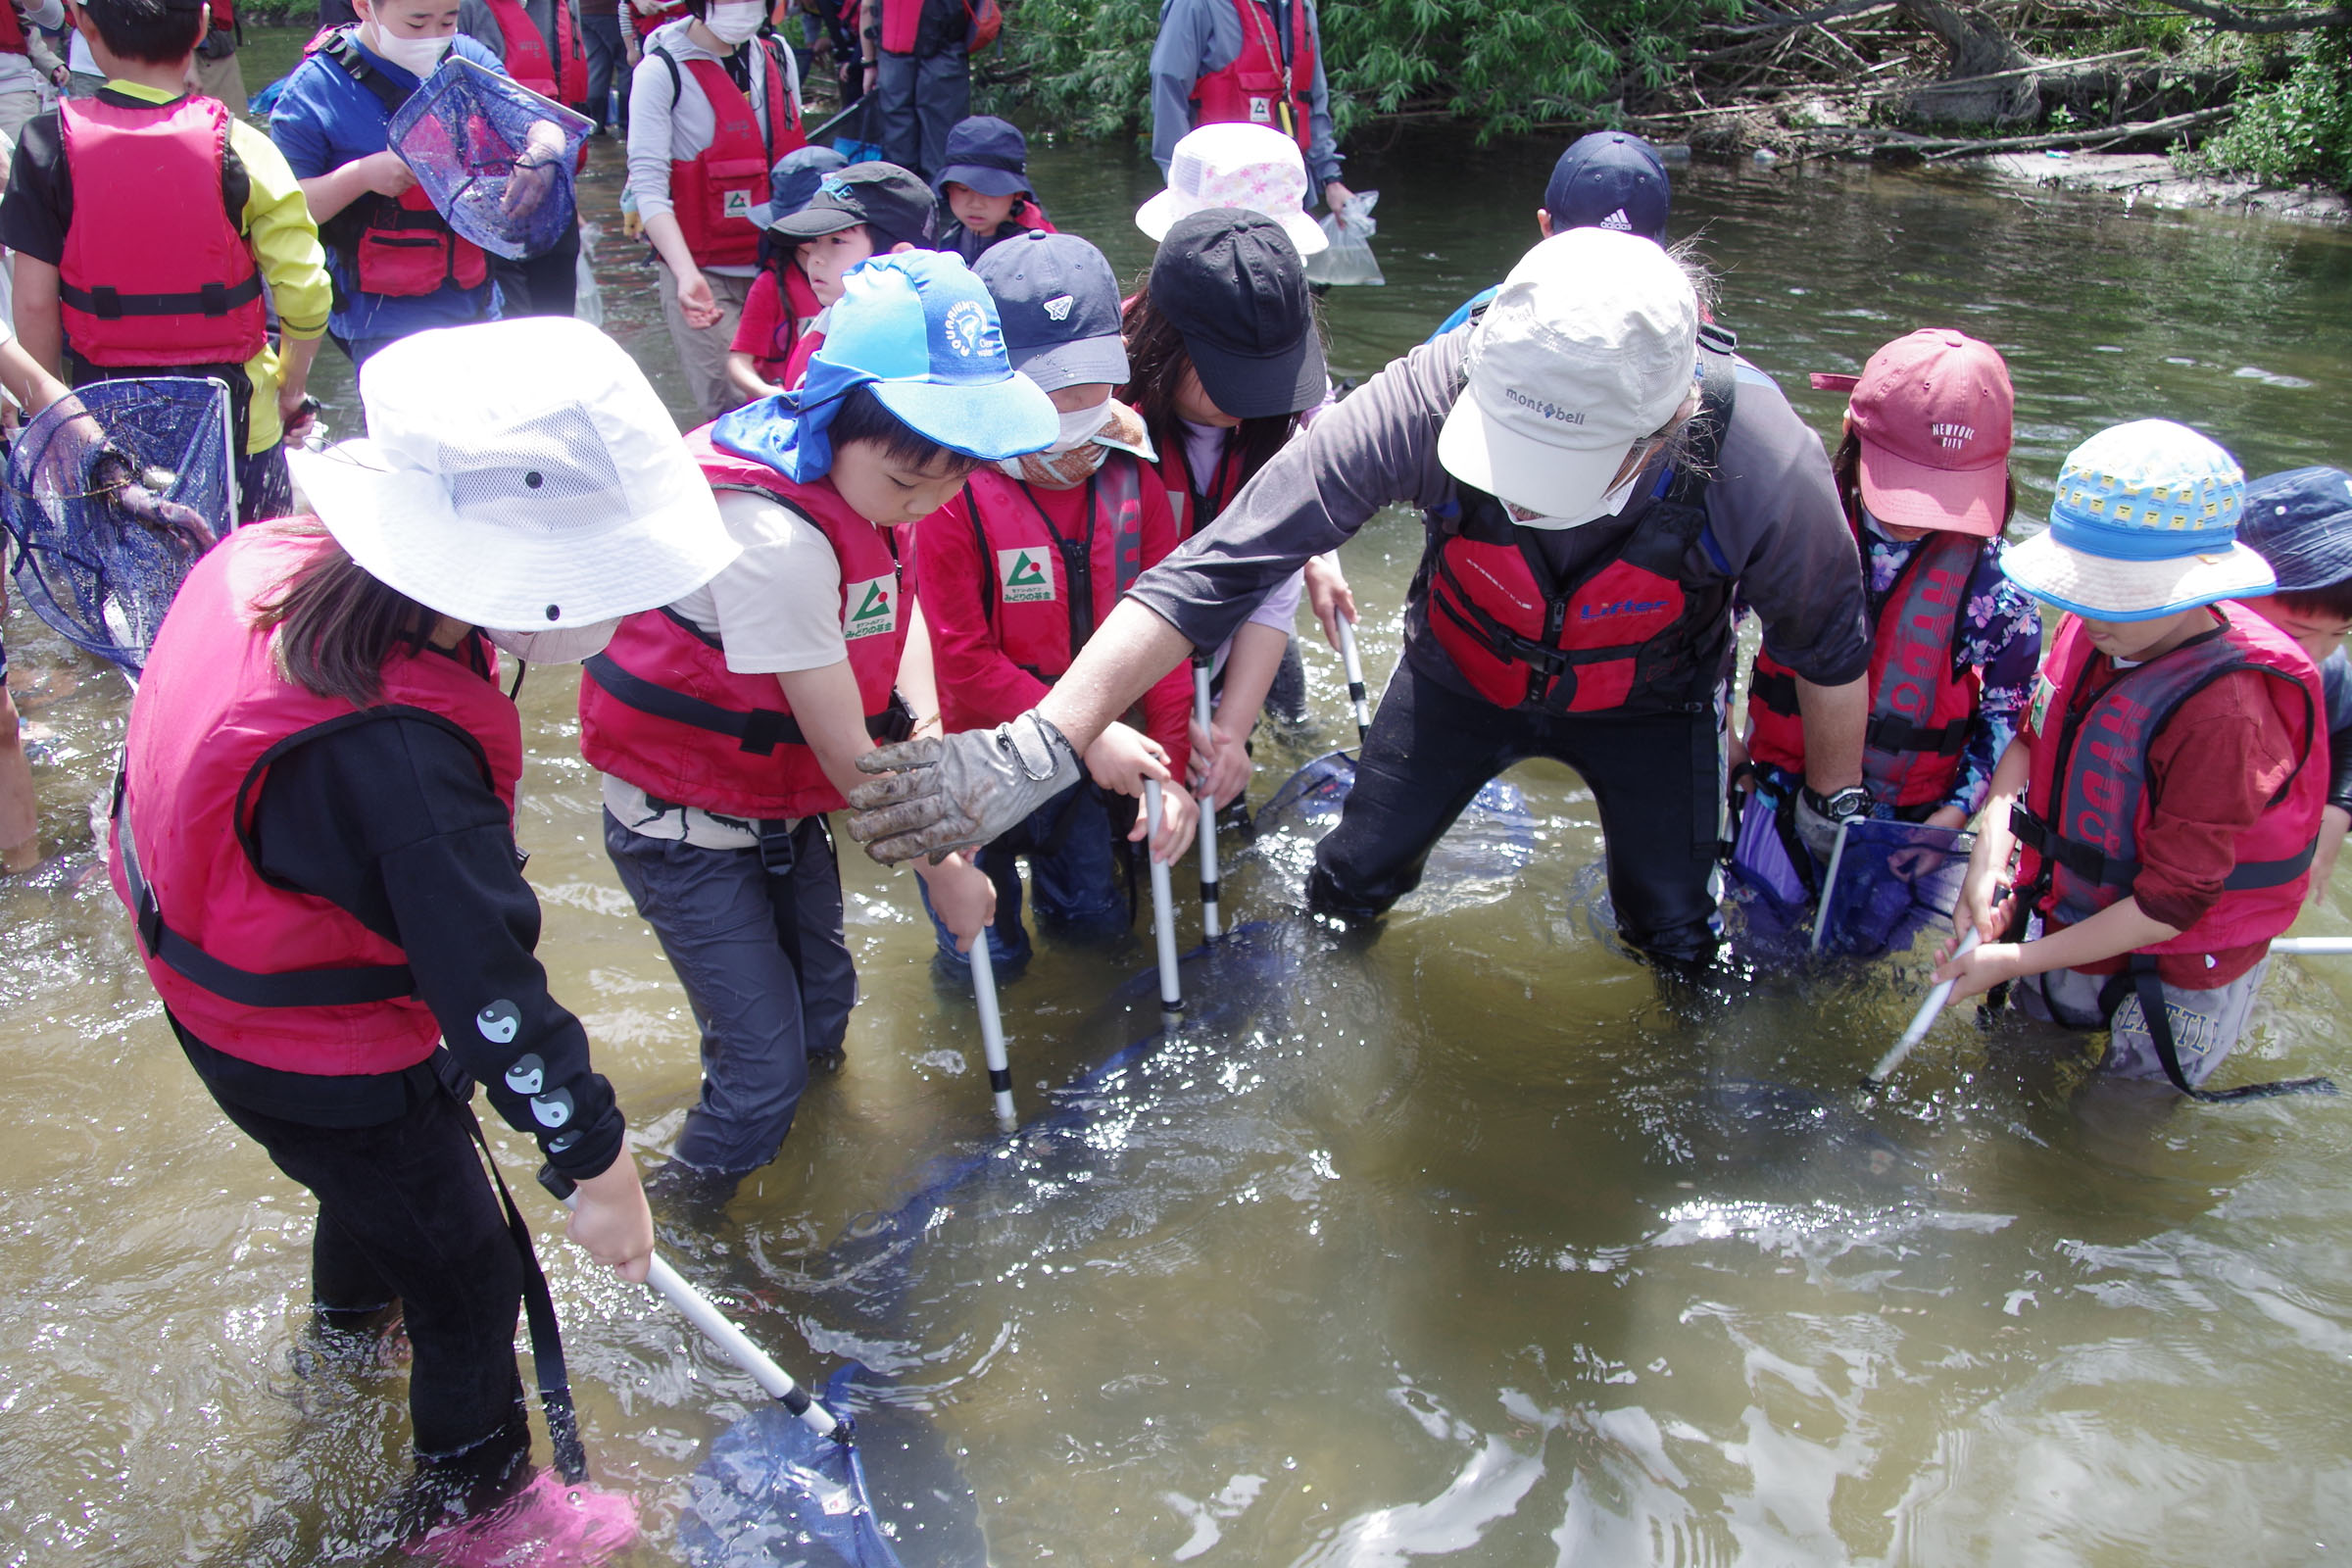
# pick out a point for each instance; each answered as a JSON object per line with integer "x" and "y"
{"x": 561, "y": 645}
{"x": 415, "y": 56}
{"x": 731, "y": 22}
{"x": 1608, "y": 505}
{"x": 1079, "y": 426}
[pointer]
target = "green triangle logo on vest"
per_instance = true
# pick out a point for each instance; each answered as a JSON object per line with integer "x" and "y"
{"x": 872, "y": 608}
{"x": 1022, "y": 576}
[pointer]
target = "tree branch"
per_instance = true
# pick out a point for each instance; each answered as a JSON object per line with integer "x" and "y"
{"x": 2233, "y": 18}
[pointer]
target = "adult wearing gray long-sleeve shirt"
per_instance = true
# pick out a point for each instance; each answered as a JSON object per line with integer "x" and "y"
{"x": 1592, "y": 513}
{"x": 1254, "y": 61}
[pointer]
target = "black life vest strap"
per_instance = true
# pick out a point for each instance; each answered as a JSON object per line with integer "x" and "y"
{"x": 112, "y": 305}
{"x": 759, "y": 730}
{"x": 1893, "y": 734}
{"x": 1775, "y": 691}
{"x": 339, "y": 47}
{"x": 2138, "y": 977}
{"x": 299, "y": 988}
{"x": 2100, "y": 870}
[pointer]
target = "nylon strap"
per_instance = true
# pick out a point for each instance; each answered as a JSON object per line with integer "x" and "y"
{"x": 2139, "y": 978}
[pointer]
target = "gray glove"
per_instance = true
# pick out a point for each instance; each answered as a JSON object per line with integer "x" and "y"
{"x": 1818, "y": 820}
{"x": 964, "y": 790}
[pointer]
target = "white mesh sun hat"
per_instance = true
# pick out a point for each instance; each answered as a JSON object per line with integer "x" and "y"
{"x": 519, "y": 475}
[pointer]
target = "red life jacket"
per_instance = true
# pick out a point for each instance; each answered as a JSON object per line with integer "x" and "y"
{"x": 564, "y": 80}
{"x": 796, "y": 368}
{"x": 1194, "y": 510}
{"x": 1923, "y": 701}
{"x": 1266, "y": 84}
{"x": 797, "y": 311}
{"x": 224, "y": 14}
{"x": 399, "y": 247}
{"x": 261, "y": 971}
{"x": 12, "y": 32}
{"x": 660, "y": 709}
{"x": 1028, "y": 214}
{"x": 1044, "y": 590}
{"x": 711, "y": 193}
{"x": 902, "y": 20}
{"x": 1634, "y": 634}
{"x": 2088, "y": 804}
{"x": 167, "y": 280}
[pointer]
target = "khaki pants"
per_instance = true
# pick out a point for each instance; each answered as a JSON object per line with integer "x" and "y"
{"x": 702, "y": 350}
{"x": 225, "y": 79}
{"x": 16, "y": 108}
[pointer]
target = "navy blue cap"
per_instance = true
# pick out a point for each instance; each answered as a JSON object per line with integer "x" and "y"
{"x": 2300, "y": 521}
{"x": 987, "y": 154}
{"x": 794, "y": 181}
{"x": 1609, "y": 179}
{"x": 1058, "y": 301}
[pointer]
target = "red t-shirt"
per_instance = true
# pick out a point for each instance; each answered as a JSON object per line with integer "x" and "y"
{"x": 770, "y": 329}
{"x": 2211, "y": 772}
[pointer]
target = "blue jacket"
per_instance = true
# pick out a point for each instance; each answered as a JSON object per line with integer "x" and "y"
{"x": 1200, "y": 37}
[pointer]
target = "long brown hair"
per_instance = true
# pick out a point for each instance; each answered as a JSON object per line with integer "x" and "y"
{"x": 1156, "y": 364}
{"x": 337, "y": 624}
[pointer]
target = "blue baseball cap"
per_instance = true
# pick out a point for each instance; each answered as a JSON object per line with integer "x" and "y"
{"x": 793, "y": 181}
{"x": 1609, "y": 179}
{"x": 987, "y": 154}
{"x": 1060, "y": 302}
{"x": 2300, "y": 521}
{"x": 919, "y": 329}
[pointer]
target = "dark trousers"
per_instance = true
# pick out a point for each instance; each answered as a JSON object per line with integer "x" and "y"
{"x": 608, "y": 70}
{"x": 1073, "y": 869}
{"x": 540, "y": 285}
{"x": 918, "y": 98}
{"x": 265, "y": 487}
{"x": 765, "y": 968}
{"x": 1432, "y": 749}
{"x": 405, "y": 1215}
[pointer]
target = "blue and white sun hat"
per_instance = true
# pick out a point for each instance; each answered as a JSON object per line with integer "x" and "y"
{"x": 2145, "y": 524}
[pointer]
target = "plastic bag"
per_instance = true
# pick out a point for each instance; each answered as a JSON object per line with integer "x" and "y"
{"x": 1348, "y": 261}
{"x": 587, "y": 300}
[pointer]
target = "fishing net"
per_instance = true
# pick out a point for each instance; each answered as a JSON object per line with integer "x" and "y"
{"x": 463, "y": 133}
{"x": 113, "y": 493}
{"x": 1892, "y": 881}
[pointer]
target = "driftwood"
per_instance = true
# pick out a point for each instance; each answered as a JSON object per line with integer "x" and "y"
{"x": 1936, "y": 148}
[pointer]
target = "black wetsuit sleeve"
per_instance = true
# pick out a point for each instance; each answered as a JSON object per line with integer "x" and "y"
{"x": 395, "y": 821}
{"x": 39, "y": 205}
{"x": 2339, "y": 768}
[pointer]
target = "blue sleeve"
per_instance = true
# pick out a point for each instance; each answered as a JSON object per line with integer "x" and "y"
{"x": 1179, "y": 59}
{"x": 298, "y": 124}
{"x": 1461, "y": 313}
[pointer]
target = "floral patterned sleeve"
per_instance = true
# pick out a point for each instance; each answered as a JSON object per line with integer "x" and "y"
{"x": 2002, "y": 638}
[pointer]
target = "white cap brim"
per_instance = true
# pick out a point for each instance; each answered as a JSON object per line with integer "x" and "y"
{"x": 1167, "y": 209}
{"x": 401, "y": 527}
{"x": 2106, "y": 589}
{"x": 1536, "y": 476}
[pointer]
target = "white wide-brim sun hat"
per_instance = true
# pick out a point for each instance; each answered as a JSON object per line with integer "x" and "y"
{"x": 1254, "y": 168}
{"x": 519, "y": 475}
{"x": 2105, "y": 589}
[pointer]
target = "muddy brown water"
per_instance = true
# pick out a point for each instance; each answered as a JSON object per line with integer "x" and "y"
{"x": 1465, "y": 1246}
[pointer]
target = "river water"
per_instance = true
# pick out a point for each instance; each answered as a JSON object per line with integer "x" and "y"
{"x": 1464, "y": 1244}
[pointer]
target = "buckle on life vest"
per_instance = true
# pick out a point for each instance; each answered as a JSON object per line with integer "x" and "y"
{"x": 1891, "y": 733}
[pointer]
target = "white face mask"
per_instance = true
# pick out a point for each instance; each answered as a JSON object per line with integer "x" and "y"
{"x": 1608, "y": 505}
{"x": 1079, "y": 426}
{"x": 415, "y": 56}
{"x": 731, "y": 22}
{"x": 562, "y": 645}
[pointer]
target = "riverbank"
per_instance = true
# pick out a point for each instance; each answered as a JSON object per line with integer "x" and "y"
{"x": 2151, "y": 177}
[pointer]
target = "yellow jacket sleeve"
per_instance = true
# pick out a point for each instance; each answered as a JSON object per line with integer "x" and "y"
{"x": 284, "y": 239}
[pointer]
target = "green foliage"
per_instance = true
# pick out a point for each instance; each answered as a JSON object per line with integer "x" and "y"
{"x": 2300, "y": 129}
{"x": 1503, "y": 64}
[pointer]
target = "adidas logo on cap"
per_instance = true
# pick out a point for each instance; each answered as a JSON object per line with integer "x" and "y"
{"x": 1617, "y": 220}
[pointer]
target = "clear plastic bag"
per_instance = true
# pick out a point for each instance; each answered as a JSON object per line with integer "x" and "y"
{"x": 1347, "y": 261}
{"x": 587, "y": 300}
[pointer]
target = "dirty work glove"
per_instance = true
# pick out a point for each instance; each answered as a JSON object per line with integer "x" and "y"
{"x": 1818, "y": 818}
{"x": 964, "y": 790}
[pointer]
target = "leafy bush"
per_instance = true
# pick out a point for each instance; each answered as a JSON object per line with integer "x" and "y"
{"x": 2297, "y": 131}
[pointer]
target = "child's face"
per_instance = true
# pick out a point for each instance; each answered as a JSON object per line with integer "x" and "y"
{"x": 827, "y": 257}
{"x": 1192, "y": 402}
{"x": 2136, "y": 641}
{"x": 410, "y": 18}
{"x": 982, "y": 214}
{"x": 2315, "y": 631}
{"x": 884, "y": 490}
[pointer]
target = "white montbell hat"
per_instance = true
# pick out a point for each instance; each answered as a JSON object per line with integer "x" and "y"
{"x": 519, "y": 475}
{"x": 1590, "y": 347}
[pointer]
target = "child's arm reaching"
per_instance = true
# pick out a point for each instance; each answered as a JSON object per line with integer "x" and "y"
{"x": 743, "y": 376}
{"x": 1120, "y": 759}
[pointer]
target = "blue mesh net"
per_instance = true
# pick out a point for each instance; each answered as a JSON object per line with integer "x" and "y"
{"x": 461, "y": 134}
{"x": 1893, "y": 881}
{"x": 111, "y": 495}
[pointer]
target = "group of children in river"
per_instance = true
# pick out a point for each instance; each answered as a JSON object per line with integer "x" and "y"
{"x": 938, "y": 466}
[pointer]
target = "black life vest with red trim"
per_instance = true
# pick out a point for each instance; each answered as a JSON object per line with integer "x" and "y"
{"x": 167, "y": 280}
{"x": 1636, "y": 632}
{"x": 563, "y": 78}
{"x": 2081, "y": 841}
{"x": 659, "y": 708}
{"x": 711, "y": 193}
{"x": 1267, "y": 83}
{"x": 1044, "y": 592}
{"x": 1922, "y": 700}
{"x": 397, "y": 246}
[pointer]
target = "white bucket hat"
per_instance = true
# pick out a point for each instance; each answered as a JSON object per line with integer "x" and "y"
{"x": 1256, "y": 167}
{"x": 519, "y": 475}
{"x": 1590, "y": 347}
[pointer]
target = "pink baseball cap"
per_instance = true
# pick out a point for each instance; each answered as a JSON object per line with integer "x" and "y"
{"x": 1935, "y": 410}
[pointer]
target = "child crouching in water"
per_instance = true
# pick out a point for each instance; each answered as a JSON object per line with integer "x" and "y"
{"x": 2167, "y": 787}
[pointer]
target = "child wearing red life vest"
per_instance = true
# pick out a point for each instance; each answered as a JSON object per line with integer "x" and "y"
{"x": 984, "y": 194}
{"x": 2162, "y": 800}
{"x": 728, "y": 723}
{"x": 313, "y": 833}
{"x": 129, "y": 259}
{"x": 1027, "y": 561}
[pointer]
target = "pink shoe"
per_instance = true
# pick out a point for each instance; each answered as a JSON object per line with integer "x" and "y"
{"x": 545, "y": 1525}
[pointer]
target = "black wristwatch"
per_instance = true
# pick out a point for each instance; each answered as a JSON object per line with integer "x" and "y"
{"x": 1848, "y": 804}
